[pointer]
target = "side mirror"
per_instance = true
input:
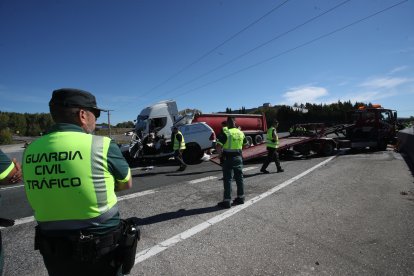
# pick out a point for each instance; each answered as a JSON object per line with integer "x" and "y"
{"x": 395, "y": 115}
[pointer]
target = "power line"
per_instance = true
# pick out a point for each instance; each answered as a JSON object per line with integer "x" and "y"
{"x": 257, "y": 47}
{"x": 218, "y": 46}
{"x": 294, "y": 48}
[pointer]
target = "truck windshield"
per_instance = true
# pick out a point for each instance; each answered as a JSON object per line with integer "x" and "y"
{"x": 141, "y": 124}
{"x": 158, "y": 123}
{"x": 386, "y": 116}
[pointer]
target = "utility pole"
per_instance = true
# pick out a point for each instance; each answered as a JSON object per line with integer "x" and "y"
{"x": 109, "y": 122}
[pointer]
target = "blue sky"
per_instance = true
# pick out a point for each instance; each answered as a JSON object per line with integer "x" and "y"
{"x": 207, "y": 54}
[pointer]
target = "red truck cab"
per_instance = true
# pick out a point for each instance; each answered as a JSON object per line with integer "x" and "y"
{"x": 374, "y": 127}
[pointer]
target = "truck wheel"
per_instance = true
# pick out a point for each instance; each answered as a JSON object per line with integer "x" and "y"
{"x": 192, "y": 154}
{"x": 382, "y": 145}
{"x": 303, "y": 149}
{"x": 327, "y": 149}
{"x": 130, "y": 160}
{"x": 258, "y": 139}
{"x": 249, "y": 140}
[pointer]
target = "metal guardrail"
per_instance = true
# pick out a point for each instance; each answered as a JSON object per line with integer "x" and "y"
{"x": 406, "y": 142}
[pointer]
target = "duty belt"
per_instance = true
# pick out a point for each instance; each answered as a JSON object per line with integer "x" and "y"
{"x": 83, "y": 247}
{"x": 89, "y": 248}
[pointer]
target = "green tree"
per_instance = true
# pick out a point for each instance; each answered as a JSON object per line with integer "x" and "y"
{"x": 17, "y": 123}
{"x": 5, "y": 136}
{"x": 128, "y": 124}
{"x": 32, "y": 125}
{"x": 4, "y": 120}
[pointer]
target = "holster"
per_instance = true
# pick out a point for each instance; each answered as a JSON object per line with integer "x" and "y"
{"x": 128, "y": 245}
{"x": 83, "y": 248}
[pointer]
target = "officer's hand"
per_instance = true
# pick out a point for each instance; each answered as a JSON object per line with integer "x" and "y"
{"x": 17, "y": 176}
{"x": 120, "y": 186}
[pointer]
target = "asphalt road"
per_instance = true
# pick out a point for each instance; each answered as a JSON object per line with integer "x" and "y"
{"x": 350, "y": 214}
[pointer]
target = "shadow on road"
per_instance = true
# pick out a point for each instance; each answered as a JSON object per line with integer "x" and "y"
{"x": 149, "y": 174}
{"x": 177, "y": 214}
{"x": 245, "y": 175}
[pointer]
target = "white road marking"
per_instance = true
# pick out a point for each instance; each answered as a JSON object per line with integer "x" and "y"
{"x": 31, "y": 219}
{"x": 136, "y": 195}
{"x": 152, "y": 251}
{"x": 202, "y": 179}
{"x": 249, "y": 168}
{"x": 9, "y": 188}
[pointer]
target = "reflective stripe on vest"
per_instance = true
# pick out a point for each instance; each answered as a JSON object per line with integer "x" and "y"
{"x": 67, "y": 181}
{"x": 177, "y": 144}
{"x": 234, "y": 142}
{"x": 269, "y": 138}
{"x": 6, "y": 172}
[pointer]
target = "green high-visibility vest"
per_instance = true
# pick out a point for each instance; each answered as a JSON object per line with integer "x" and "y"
{"x": 234, "y": 142}
{"x": 177, "y": 145}
{"x": 269, "y": 138}
{"x": 67, "y": 180}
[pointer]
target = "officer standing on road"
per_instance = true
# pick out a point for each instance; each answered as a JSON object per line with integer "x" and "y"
{"x": 229, "y": 146}
{"x": 272, "y": 143}
{"x": 70, "y": 180}
{"x": 10, "y": 173}
{"x": 177, "y": 140}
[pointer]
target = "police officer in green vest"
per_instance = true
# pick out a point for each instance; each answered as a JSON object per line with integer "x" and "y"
{"x": 178, "y": 142}
{"x": 70, "y": 178}
{"x": 272, "y": 143}
{"x": 229, "y": 145}
{"x": 10, "y": 173}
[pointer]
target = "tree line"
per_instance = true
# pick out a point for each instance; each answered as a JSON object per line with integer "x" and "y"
{"x": 26, "y": 124}
{"x": 331, "y": 114}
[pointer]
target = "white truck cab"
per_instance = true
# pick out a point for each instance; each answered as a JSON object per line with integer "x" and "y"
{"x": 152, "y": 137}
{"x": 157, "y": 118}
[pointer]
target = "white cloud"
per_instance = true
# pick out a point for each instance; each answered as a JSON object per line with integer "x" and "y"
{"x": 384, "y": 83}
{"x": 305, "y": 94}
{"x": 369, "y": 96}
{"x": 398, "y": 69}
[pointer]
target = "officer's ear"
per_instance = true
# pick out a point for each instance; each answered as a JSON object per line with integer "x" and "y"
{"x": 83, "y": 117}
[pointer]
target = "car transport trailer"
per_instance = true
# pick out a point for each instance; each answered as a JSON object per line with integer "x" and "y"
{"x": 313, "y": 139}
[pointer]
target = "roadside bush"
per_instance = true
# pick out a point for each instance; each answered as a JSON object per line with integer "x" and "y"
{"x": 5, "y": 136}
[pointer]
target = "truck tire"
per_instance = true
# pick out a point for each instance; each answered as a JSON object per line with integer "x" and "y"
{"x": 382, "y": 145}
{"x": 303, "y": 149}
{"x": 249, "y": 140}
{"x": 130, "y": 160}
{"x": 192, "y": 154}
{"x": 327, "y": 149}
{"x": 258, "y": 139}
